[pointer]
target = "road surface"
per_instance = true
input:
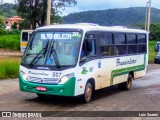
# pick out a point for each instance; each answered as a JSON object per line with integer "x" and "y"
{"x": 144, "y": 96}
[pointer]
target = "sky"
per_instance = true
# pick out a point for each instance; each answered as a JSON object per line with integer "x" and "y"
{"x": 85, "y": 5}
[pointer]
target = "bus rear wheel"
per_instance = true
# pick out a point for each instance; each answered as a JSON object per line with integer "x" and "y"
{"x": 128, "y": 84}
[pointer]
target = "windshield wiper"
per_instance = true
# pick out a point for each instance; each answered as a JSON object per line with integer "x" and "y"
{"x": 55, "y": 54}
{"x": 37, "y": 56}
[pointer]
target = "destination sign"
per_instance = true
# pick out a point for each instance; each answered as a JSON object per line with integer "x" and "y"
{"x": 61, "y": 36}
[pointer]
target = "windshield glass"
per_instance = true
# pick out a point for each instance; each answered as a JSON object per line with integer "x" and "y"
{"x": 53, "y": 49}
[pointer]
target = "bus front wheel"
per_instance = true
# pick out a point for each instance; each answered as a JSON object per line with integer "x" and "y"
{"x": 87, "y": 96}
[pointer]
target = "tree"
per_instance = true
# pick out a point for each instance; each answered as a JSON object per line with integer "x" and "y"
{"x": 1, "y": 1}
{"x": 24, "y": 25}
{"x": 154, "y": 31}
{"x": 1, "y": 23}
{"x": 35, "y": 11}
{"x": 14, "y": 26}
{"x": 2, "y": 30}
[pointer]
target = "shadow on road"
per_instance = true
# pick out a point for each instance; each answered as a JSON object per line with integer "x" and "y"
{"x": 73, "y": 101}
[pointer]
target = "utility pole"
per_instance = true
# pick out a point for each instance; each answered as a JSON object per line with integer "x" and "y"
{"x": 148, "y": 16}
{"x": 49, "y": 12}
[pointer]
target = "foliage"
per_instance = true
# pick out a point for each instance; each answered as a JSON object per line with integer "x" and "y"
{"x": 154, "y": 31}
{"x": 114, "y": 17}
{"x": 2, "y": 31}
{"x": 10, "y": 41}
{"x": 35, "y": 11}
{"x": 8, "y": 9}
{"x": 1, "y": 23}
{"x": 24, "y": 25}
{"x": 152, "y": 52}
{"x": 9, "y": 68}
{"x": 14, "y": 32}
{"x": 14, "y": 26}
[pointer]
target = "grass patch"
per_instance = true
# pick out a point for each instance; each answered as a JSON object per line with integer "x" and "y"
{"x": 10, "y": 41}
{"x": 152, "y": 52}
{"x": 9, "y": 68}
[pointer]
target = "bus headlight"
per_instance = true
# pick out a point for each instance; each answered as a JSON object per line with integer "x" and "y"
{"x": 65, "y": 78}
{"x": 24, "y": 76}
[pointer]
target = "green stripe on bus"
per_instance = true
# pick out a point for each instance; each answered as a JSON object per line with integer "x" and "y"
{"x": 125, "y": 71}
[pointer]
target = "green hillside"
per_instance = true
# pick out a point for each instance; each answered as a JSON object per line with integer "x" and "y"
{"x": 124, "y": 16}
{"x": 8, "y": 10}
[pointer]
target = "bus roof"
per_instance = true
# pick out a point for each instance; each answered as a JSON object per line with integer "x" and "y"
{"x": 93, "y": 27}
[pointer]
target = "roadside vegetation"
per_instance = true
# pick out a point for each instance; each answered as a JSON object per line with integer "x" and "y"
{"x": 10, "y": 41}
{"x": 152, "y": 52}
{"x": 9, "y": 67}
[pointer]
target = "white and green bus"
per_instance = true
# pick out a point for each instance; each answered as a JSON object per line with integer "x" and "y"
{"x": 77, "y": 59}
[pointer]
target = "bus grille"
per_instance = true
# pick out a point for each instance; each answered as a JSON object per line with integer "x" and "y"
{"x": 44, "y": 80}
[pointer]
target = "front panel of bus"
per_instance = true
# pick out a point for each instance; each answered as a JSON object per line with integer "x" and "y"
{"x": 49, "y": 62}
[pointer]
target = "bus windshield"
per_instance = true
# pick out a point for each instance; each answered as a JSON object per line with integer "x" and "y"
{"x": 53, "y": 49}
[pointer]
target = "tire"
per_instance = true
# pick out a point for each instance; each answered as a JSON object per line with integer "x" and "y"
{"x": 128, "y": 84}
{"x": 87, "y": 96}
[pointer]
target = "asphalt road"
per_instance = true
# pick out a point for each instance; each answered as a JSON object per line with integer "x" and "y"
{"x": 144, "y": 96}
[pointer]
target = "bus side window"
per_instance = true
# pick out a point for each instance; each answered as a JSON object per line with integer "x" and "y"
{"x": 25, "y": 36}
{"x": 91, "y": 52}
{"x": 88, "y": 50}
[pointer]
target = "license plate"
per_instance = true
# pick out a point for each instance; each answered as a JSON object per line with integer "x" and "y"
{"x": 43, "y": 89}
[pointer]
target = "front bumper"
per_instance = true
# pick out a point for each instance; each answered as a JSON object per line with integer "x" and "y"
{"x": 67, "y": 89}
